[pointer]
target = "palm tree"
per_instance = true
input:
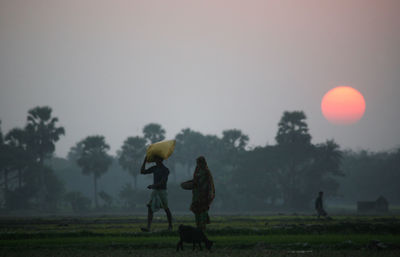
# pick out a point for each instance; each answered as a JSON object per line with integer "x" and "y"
{"x": 131, "y": 154}
{"x": 189, "y": 145}
{"x": 154, "y": 132}
{"x": 295, "y": 151}
{"x": 41, "y": 135}
{"x": 292, "y": 128}
{"x": 42, "y": 132}
{"x": 94, "y": 159}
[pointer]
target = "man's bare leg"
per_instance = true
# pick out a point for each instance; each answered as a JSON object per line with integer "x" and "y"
{"x": 149, "y": 219}
{"x": 169, "y": 217}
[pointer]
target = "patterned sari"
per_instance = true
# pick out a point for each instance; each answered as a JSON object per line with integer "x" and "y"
{"x": 203, "y": 194}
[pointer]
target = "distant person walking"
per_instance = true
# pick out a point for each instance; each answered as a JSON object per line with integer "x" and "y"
{"x": 319, "y": 205}
{"x": 203, "y": 193}
{"x": 159, "y": 196}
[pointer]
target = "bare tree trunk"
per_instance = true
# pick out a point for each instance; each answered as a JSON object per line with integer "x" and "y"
{"x": 42, "y": 190}
{"x": 95, "y": 190}
{"x": 5, "y": 180}
{"x": 19, "y": 178}
{"x": 5, "y": 186}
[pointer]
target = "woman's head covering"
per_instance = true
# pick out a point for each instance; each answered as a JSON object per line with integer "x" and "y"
{"x": 201, "y": 161}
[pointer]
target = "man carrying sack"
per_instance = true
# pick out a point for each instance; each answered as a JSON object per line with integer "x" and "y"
{"x": 159, "y": 196}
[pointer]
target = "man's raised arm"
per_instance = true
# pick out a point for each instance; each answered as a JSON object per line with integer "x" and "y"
{"x": 143, "y": 168}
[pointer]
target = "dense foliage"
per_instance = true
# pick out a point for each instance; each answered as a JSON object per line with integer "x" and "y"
{"x": 283, "y": 176}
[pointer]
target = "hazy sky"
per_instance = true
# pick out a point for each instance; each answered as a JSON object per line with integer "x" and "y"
{"x": 111, "y": 67}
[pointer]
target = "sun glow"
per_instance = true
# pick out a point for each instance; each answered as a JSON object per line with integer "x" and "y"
{"x": 343, "y": 105}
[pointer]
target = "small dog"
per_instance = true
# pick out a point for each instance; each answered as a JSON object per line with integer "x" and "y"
{"x": 193, "y": 235}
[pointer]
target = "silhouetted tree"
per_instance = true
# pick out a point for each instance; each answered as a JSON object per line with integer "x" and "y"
{"x": 327, "y": 158}
{"x": 94, "y": 159}
{"x": 127, "y": 195}
{"x": 1, "y": 135}
{"x": 14, "y": 158}
{"x": 234, "y": 139}
{"x": 75, "y": 152}
{"x": 3, "y": 161}
{"x": 304, "y": 168}
{"x": 130, "y": 197}
{"x": 369, "y": 175}
{"x": 255, "y": 180}
{"x": 131, "y": 155}
{"x": 18, "y": 156}
{"x": 189, "y": 145}
{"x": 41, "y": 133}
{"x": 234, "y": 143}
{"x": 153, "y": 132}
{"x": 293, "y": 129}
{"x": 392, "y": 167}
{"x": 107, "y": 199}
{"x": 55, "y": 188}
{"x": 295, "y": 151}
{"x": 213, "y": 149}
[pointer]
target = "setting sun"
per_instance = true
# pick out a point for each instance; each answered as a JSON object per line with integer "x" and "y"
{"x": 343, "y": 105}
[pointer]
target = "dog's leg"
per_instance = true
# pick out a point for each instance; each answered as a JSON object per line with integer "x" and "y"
{"x": 194, "y": 245}
{"x": 201, "y": 249}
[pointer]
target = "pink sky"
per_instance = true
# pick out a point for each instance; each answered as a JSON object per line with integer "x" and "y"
{"x": 110, "y": 67}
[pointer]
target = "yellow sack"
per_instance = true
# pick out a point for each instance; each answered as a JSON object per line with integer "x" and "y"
{"x": 164, "y": 149}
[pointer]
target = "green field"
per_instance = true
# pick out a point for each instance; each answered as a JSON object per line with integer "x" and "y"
{"x": 233, "y": 236}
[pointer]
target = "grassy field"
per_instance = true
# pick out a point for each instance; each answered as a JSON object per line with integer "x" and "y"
{"x": 233, "y": 236}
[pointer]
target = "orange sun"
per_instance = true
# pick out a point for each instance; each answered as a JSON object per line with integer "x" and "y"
{"x": 343, "y": 105}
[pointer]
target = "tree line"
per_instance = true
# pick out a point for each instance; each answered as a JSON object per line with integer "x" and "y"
{"x": 286, "y": 175}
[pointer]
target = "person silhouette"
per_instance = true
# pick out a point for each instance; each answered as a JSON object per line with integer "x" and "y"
{"x": 203, "y": 193}
{"x": 159, "y": 195}
{"x": 319, "y": 205}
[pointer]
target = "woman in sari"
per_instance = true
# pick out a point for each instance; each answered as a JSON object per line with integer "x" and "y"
{"x": 203, "y": 193}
